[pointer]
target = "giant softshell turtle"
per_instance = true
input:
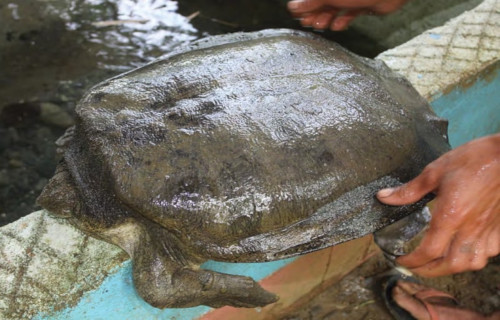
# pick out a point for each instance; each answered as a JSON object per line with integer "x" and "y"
{"x": 242, "y": 147}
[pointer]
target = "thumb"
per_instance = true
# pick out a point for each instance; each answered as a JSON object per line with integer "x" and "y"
{"x": 409, "y": 192}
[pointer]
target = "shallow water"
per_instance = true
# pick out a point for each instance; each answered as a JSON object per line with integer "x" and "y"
{"x": 52, "y": 51}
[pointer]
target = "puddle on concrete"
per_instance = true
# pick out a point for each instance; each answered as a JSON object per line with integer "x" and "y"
{"x": 52, "y": 51}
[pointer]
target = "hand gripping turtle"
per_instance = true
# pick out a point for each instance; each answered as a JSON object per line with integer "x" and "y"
{"x": 246, "y": 147}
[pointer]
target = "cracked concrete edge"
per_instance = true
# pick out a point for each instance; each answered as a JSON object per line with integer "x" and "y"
{"x": 46, "y": 264}
{"x": 444, "y": 57}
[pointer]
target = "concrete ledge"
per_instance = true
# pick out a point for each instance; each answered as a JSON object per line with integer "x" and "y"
{"x": 441, "y": 58}
{"x": 47, "y": 266}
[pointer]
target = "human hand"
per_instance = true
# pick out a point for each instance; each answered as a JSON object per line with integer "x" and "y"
{"x": 337, "y": 14}
{"x": 465, "y": 227}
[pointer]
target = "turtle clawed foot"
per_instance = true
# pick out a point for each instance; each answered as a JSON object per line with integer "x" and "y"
{"x": 165, "y": 283}
{"x": 220, "y": 289}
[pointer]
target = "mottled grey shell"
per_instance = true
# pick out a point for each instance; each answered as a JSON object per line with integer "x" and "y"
{"x": 252, "y": 146}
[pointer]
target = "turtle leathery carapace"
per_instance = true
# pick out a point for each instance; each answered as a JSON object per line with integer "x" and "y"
{"x": 245, "y": 147}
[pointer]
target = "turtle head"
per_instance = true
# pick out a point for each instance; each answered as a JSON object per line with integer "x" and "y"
{"x": 60, "y": 195}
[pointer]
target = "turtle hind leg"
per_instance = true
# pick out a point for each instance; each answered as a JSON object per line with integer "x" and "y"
{"x": 164, "y": 278}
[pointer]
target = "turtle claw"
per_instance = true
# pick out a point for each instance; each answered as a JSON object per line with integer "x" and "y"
{"x": 259, "y": 297}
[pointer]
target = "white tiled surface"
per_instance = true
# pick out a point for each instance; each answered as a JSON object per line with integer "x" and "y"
{"x": 442, "y": 57}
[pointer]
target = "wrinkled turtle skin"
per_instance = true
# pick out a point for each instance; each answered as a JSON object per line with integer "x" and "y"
{"x": 241, "y": 147}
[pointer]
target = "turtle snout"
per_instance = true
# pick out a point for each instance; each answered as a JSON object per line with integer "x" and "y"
{"x": 59, "y": 196}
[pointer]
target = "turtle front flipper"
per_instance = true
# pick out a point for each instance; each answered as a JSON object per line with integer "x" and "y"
{"x": 165, "y": 277}
{"x": 165, "y": 287}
